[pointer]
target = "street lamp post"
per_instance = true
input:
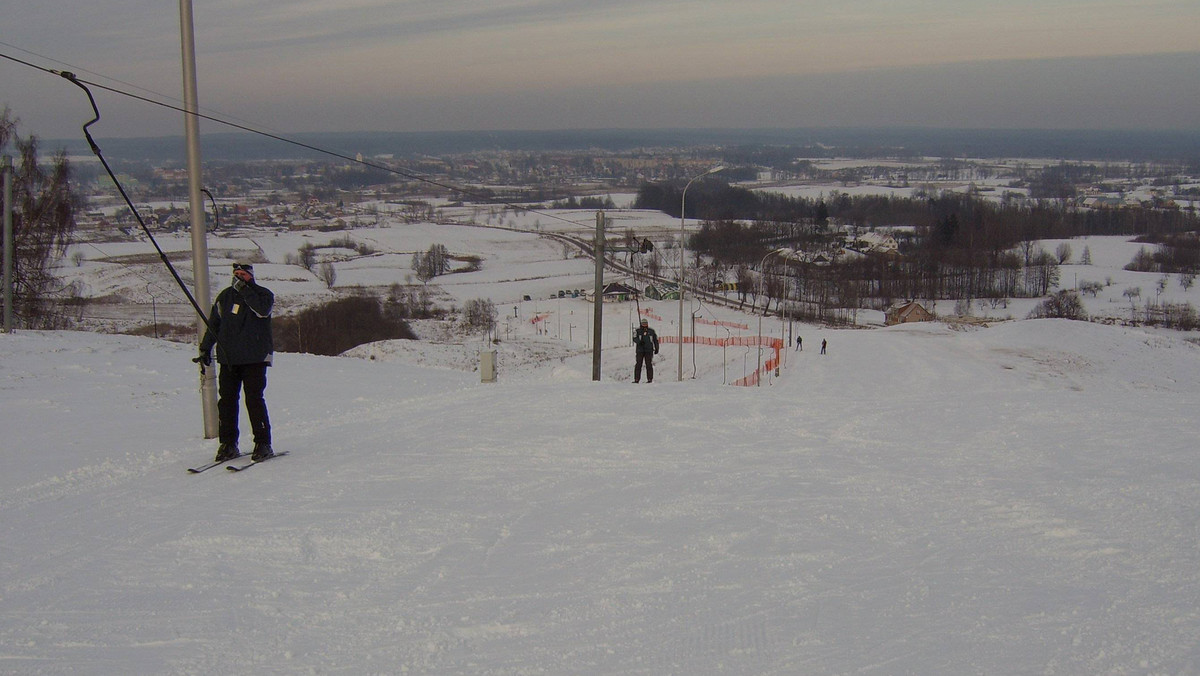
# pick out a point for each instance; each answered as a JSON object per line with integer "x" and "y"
{"x": 682, "y": 218}
{"x": 762, "y": 273}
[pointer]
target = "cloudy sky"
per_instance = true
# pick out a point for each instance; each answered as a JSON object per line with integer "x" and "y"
{"x": 428, "y": 65}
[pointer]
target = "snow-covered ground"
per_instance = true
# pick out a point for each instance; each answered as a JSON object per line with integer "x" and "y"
{"x": 1020, "y": 499}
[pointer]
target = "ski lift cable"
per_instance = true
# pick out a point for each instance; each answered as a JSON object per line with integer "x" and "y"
{"x": 283, "y": 139}
{"x": 100, "y": 155}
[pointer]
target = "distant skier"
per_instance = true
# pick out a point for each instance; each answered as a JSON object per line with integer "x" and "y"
{"x": 239, "y": 325}
{"x": 822, "y": 346}
{"x": 799, "y": 344}
{"x": 645, "y": 340}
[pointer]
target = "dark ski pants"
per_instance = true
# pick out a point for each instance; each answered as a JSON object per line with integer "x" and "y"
{"x": 648, "y": 359}
{"x": 232, "y": 380}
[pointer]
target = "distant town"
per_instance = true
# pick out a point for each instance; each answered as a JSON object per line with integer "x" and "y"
{"x": 814, "y": 232}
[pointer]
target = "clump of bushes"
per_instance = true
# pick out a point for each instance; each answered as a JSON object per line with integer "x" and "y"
{"x": 339, "y": 325}
{"x": 1061, "y": 305}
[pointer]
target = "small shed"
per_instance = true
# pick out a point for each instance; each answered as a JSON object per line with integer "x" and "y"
{"x": 911, "y": 311}
{"x": 665, "y": 291}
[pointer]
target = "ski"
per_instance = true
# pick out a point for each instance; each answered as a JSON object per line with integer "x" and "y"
{"x": 204, "y": 468}
{"x": 239, "y": 468}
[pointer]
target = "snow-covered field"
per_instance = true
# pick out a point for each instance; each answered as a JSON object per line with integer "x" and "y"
{"x": 1017, "y": 499}
{"x": 514, "y": 263}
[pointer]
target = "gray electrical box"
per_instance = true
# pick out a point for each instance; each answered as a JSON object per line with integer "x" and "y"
{"x": 487, "y": 366}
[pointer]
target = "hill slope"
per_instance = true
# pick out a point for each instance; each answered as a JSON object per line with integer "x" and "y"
{"x": 1020, "y": 499}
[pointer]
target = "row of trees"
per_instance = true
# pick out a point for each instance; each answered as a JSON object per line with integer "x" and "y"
{"x": 1176, "y": 253}
{"x": 955, "y": 246}
{"x": 977, "y": 223}
{"x": 337, "y": 326}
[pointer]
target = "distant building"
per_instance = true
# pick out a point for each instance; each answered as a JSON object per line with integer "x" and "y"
{"x": 665, "y": 291}
{"x": 877, "y": 243}
{"x": 911, "y": 311}
{"x": 616, "y": 292}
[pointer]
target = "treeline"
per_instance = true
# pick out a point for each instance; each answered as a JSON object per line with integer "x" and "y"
{"x": 341, "y": 324}
{"x": 1175, "y": 253}
{"x": 573, "y": 202}
{"x": 951, "y": 245}
{"x": 983, "y": 222}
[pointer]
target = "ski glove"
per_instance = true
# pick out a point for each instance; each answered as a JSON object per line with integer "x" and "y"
{"x": 204, "y": 360}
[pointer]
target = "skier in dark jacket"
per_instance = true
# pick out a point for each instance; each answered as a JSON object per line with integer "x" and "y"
{"x": 239, "y": 325}
{"x": 645, "y": 340}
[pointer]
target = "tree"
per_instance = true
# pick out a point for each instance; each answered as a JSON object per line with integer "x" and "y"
{"x": 44, "y": 209}
{"x": 948, "y": 229}
{"x": 1042, "y": 273}
{"x": 434, "y": 262}
{"x": 822, "y": 214}
{"x": 1132, "y": 293}
{"x": 1061, "y": 305}
{"x": 308, "y": 256}
{"x": 479, "y": 314}
{"x": 1063, "y": 253}
{"x": 327, "y": 273}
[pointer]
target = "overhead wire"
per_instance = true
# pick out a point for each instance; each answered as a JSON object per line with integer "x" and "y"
{"x": 279, "y": 137}
{"x": 84, "y": 85}
{"x": 100, "y": 155}
{"x": 80, "y": 69}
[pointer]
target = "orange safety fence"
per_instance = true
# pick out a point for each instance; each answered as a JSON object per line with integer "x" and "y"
{"x": 718, "y": 322}
{"x": 751, "y": 380}
{"x": 540, "y": 317}
{"x": 650, "y": 314}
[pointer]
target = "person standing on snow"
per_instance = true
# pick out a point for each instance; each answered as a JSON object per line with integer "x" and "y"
{"x": 239, "y": 325}
{"x": 645, "y": 340}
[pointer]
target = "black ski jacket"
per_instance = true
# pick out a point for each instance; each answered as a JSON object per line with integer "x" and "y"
{"x": 646, "y": 340}
{"x": 240, "y": 326}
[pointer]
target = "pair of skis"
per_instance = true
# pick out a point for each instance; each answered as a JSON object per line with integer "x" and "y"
{"x": 232, "y": 468}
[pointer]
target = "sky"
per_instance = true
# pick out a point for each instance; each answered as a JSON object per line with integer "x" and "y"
{"x": 433, "y": 65}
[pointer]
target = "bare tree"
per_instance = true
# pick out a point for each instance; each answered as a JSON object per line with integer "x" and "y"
{"x": 1133, "y": 293}
{"x": 327, "y": 273}
{"x": 1061, "y": 305}
{"x": 44, "y": 209}
{"x": 479, "y": 314}
{"x": 434, "y": 262}
{"x": 308, "y": 256}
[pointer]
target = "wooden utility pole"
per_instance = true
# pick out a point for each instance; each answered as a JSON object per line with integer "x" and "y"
{"x": 191, "y": 122}
{"x": 598, "y": 302}
{"x": 7, "y": 168}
